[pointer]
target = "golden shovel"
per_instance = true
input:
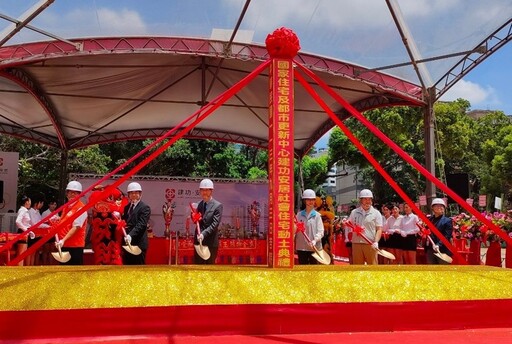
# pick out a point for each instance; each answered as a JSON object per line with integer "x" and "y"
{"x": 320, "y": 255}
{"x": 135, "y": 250}
{"x": 359, "y": 230}
{"x": 202, "y": 251}
{"x": 61, "y": 257}
{"x": 440, "y": 255}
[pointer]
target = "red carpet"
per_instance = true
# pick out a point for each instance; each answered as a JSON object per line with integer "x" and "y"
{"x": 472, "y": 336}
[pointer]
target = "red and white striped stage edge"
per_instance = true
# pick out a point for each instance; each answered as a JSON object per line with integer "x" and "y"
{"x": 154, "y": 301}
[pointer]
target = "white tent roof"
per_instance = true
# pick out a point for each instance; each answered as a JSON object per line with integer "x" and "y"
{"x": 150, "y": 67}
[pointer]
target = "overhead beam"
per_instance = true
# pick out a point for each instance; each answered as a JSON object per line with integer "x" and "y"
{"x": 25, "y": 18}
{"x": 409, "y": 43}
{"x": 492, "y": 43}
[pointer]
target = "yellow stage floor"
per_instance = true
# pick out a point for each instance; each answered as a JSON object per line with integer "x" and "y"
{"x": 64, "y": 287}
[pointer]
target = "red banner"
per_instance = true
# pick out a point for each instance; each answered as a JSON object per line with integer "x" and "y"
{"x": 281, "y": 164}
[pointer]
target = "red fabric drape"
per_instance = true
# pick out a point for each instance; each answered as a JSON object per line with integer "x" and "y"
{"x": 493, "y": 257}
{"x": 508, "y": 256}
{"x": 256, "y": 319}
{"x": 475, "y": 252}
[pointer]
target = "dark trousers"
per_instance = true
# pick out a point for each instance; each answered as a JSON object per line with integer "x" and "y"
{"x": 77, "y": 255}
{"x": 433, "y": 259}
{"x": 132, "y": 259}
{"x": 306, "y": 258}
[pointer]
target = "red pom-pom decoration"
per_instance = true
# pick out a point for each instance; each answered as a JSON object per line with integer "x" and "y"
{"x": 282, "y": 43}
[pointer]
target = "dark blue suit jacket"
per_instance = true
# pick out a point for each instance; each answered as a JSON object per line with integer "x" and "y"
{"x": 444, "y": 225}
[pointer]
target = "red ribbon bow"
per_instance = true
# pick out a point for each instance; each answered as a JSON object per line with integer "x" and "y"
{"x": 424, "y": 231}
{"x": 355, "y": 228}
{"x": 196, "y": 215}
{"x": 301, "y": 226}
{"x": 121, "y": 224}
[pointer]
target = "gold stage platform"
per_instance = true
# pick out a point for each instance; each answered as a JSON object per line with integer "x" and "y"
{"x": 203, "y": 300}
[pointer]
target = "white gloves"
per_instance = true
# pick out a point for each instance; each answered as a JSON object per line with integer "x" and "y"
{"x": 312, "y": 243}
{"x": 59, "y": 244}
{"x": 128, "y": 239}
{"x": 200, "y": 237}
{"x": 435, "y": 248}
{"x": 375, "y": 245}
{"x": 31, "y": 235}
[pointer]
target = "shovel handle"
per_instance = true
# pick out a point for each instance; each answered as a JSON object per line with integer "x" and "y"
{"x": 309, "y": 241}
{"x": 129, "y": 244}
{"x": 58, "y": 246}
{"x": 432, "y": 242}
{"x": 361, "y": 234}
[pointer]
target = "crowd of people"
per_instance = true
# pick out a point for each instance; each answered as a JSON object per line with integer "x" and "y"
{"x": 374, "y": 236}
{"x": 118, "y": 222}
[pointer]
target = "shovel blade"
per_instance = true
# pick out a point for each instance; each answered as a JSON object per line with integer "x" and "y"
{"x": 322, "y": 257}
{"x": 444, "y": 257}
{"x": 62, "y": 257}
{"x": 135, "y": 250}
{"x": 386, "y": 254}
{"x": 203, "y": 251}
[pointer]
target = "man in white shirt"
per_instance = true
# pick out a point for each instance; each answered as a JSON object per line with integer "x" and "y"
{"x": 370, "y": 219}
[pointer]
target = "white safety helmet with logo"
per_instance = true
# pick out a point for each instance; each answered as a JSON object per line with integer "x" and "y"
{"x": 206, "y": 184}
{"x": 365, "y": 193}
{"x": 74, "y": 186}
{"x": 308, "y": 194}
{"x": 439, "y": 201}
{"x": 134, "y": 186}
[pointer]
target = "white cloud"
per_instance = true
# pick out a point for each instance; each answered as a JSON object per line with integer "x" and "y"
{"x": 120, "y": 22}
{"x": 85, "y": 22}
{"x": 478, "y": 96}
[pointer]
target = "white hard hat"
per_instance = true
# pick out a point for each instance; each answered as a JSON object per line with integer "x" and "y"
{"x": 206, "y": 184}
{"x": 438, "y": 201}
{"x": 133, "y": 186}
{"x": 308, "y": 194}
{"x": 365, "y": 193}
{"x": 74, "y": 186}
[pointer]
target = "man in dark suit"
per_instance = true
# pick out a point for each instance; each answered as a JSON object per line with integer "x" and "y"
{"x": 136, "y": 214}
{"x": 444, "y": 225}
{"x": 211, "y": 214}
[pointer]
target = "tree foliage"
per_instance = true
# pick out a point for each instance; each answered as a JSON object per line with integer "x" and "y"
{"x": 400, "y": 124}
{"x": 480, "y": 148}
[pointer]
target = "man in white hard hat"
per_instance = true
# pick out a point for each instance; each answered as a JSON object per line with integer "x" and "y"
{"x": 444, "y": 225}
{"x": 313, "y": 228}
{"x": 136, "y": 214}
{"x": 72, "y": 235}
{"x": 370, "y": 219}
{"x": 211, "y": 215}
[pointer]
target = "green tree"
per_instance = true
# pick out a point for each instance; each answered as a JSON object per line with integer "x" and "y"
{"x": 497, "y": 155}
{"x": 400, "y": 124}
{"x": 39, "y": 165}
